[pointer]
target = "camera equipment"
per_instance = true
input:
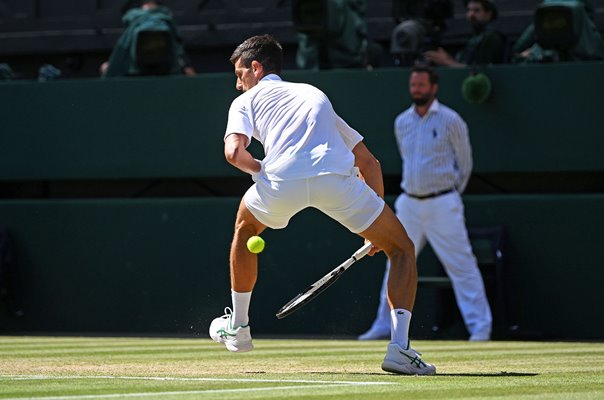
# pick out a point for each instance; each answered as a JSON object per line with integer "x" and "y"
{"x": 421, "y": 24}
{"x": 557, "y": 26}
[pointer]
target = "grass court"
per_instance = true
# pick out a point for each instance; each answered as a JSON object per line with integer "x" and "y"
{"x": 74, "y": 368}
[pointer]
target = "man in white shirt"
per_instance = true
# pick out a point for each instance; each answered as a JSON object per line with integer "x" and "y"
{"x": 435, "y": 149}
{"x": 312, "y": 159}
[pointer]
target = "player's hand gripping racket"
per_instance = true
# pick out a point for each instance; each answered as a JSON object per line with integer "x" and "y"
{"x": 319, "y": 286}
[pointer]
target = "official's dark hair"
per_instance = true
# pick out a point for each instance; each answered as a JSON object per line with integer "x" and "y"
{"x": 264, "y": 49}
{"x": 427, "y": 69}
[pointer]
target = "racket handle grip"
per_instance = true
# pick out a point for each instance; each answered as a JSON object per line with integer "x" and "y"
{"x": 362, "y": 252}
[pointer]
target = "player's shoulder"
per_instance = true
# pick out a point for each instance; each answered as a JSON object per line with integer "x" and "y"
{"x": 307, "y": 87}
{"x": 243, "y": 98}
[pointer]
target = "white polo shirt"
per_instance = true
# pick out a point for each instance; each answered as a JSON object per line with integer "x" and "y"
{"x": 301, "y": 133}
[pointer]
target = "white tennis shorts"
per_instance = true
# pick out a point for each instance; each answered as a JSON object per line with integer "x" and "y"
{"x": 347, "y": 199}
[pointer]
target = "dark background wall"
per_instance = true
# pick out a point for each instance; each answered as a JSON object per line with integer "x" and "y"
{"x": 540, "y": 131}
{"x": 121, "y": 205}
{"x": 152, "y": 266}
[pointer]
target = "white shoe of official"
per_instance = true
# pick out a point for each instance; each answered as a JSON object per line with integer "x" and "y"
{"x": 238, "y": 339}
{"x": 480, "y": 337}
{"x": 406, "y": 362}
{"x": 376, "y": 333}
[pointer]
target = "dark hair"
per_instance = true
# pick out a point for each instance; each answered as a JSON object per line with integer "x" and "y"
{"x": 262, "y": 48}
{"x": 130, "y": 4}
{"x": 421, "y": 68}
{"x": 488, "y": 5}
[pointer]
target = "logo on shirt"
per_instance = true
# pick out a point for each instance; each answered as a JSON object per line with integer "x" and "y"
{"x": 434, "y": 133}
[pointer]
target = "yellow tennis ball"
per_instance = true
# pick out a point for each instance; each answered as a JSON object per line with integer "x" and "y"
{"x": 255, "y": 244}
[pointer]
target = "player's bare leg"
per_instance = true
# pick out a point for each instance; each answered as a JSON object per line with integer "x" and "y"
{"x": 232, "y": 329}
{"x": 244, "y": 264}
{"x": 389, "y": 235}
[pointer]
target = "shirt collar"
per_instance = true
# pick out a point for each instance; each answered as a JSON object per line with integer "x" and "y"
{"x": 271, "y": 77}
{"x": 434, "y": 107}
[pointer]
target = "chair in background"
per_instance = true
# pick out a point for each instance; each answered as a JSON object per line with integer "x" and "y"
{"x": 488, "y": 247}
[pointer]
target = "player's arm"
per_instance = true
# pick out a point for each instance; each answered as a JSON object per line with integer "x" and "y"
{"x": 236, "y": 154}
{"x": 371, "y": 172}
{"x": 368, "y": 165}
{"x": 370, "y": 168}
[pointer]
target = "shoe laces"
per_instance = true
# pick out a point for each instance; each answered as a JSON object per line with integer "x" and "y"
{"x": 409, "y": 348}
{"x": 228, "y": 314}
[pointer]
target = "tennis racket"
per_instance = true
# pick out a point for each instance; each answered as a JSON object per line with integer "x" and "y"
{"x": 319, "y": 286}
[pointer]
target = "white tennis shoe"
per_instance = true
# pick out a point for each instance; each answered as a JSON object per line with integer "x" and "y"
{"x": 406, "y": 362}
{"x": 237, "y": 339}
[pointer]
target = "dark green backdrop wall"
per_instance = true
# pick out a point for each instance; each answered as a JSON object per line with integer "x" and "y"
{"x": 160, "y": 265}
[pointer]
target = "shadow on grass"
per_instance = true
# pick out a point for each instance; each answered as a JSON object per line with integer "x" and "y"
{"x": 492, "y": 374}
{"x": 501, "y": 374}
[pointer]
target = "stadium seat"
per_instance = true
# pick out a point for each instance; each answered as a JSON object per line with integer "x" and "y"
{"x": 154, "y": 52}
{"x": 487, "y": 245}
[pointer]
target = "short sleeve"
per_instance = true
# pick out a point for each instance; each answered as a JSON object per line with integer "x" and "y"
{"x": 350, "y": 136}
{"x": 240, "y": 120}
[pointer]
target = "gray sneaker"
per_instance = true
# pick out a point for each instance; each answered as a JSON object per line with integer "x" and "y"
{"x": 238, "y": 339}
{"x": 406, "y": 362}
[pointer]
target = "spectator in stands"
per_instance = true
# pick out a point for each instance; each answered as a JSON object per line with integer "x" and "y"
{"x": 585, "y": 42}
{"x": 486, "y": 46}
{"x": 6, "y": 72}
{"x": 437, "y": 161}
{"x": 340, "y": 40}
{"x": 150, "y": 45}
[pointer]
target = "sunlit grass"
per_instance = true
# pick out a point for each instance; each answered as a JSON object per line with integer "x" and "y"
{"x": 89, "y": 368}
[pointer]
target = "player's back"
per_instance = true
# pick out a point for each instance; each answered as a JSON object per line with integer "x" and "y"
{"x": 296, "y": 124}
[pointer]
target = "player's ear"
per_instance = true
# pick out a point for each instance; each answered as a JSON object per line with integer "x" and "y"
{"x": 257, "y": 68}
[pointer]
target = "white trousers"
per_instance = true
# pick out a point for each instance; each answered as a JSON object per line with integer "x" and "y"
{"x": 441, "y": 222}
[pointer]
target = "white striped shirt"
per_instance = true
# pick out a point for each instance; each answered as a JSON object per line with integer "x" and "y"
{"x": 435, "y": 150}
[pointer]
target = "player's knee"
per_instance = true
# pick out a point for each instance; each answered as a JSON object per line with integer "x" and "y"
{"x": 407, "y": 246}
{"x": 402, "y": 251}
{"x": 245, "y": 228}
{"x": 246, "y": 224}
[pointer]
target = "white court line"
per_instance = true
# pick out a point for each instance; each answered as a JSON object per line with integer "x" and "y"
{"x": 183, "y": 392}
{"x": 311, "y": 384}
{"x": 171, "y": 378}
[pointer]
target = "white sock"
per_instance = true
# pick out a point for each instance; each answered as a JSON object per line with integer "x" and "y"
{"x": 401, "y": 319}
{"x": 241, "y": 306}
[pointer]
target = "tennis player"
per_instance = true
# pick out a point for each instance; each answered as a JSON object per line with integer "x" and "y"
{"x": 312, "y": 159}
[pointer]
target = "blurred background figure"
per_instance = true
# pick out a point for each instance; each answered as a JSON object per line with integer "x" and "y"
{"x": 48, "y": 72}
{"x": 562, "y": 30}
{"x": 150, "y": 45}
{"x": 6, "y": 72}
{"x": 486, "y": 46}
{"x": 333, "y": 34}
{"x": 420, "y": 27}
{"x": 436, "y": 154}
